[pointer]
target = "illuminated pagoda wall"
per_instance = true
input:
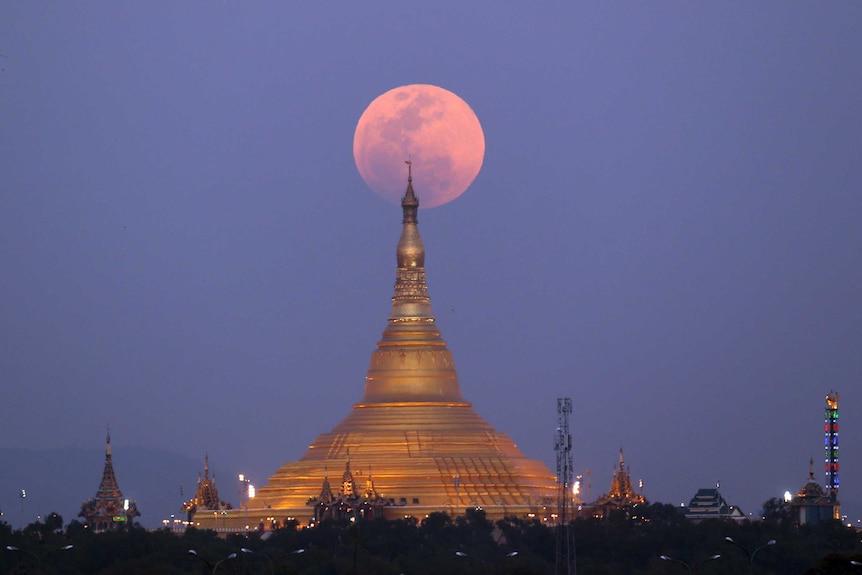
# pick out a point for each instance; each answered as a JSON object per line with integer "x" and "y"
{"x": 108, "y": 509}
{"x": 429, "y": 449}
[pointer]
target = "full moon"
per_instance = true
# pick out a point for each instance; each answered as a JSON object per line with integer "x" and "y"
{"x": 434, "y": 128}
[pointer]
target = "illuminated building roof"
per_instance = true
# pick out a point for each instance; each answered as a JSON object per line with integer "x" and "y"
{"x": 206, "y": 494}
{"x": 622, "y": 492}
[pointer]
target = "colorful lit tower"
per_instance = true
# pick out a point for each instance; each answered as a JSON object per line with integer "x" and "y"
{"x": 831, "y": 443}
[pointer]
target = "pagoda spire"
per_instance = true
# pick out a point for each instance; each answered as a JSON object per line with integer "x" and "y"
{"x": 411, "y": 299}
{"x": 411, "y": 363}
{"x": 410, "y": 203}
{"x": 108, "y": 486}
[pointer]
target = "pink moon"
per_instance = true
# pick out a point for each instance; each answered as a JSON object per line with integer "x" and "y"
{"x": 431, "y": 126}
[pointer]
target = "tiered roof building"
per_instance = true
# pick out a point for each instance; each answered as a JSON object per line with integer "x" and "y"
{"x": 710, "y": 504}
{"x": 206, "y": 494}
{"x": 108, "y": 509}
{"x": 621, "y": 495}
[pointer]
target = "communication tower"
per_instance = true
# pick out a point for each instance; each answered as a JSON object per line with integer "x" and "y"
{"x": 831, "y": 442}
{"x": 565, "y": 560}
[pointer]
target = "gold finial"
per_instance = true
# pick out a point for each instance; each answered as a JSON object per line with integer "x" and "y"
{"x": 409, "y": 202}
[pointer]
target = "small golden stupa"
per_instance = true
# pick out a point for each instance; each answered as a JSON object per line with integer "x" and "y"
{"x": 622, "y": 494}
{"x": 428, "y": 448}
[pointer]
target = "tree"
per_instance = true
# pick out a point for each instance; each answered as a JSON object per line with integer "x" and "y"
{"x": 776, "y": 510}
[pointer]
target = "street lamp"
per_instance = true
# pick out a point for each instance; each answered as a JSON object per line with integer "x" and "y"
{"x": 750, "y": 555}
{"x": 246, "y": 487}
{"x": 249, "y": 551}
{"x": 686, "y": 565}
{"x": 482, "y": 561}
{"x": 23, "y": 495}
{"x": 228, "y": 558}
{"x": 194, "y": 554}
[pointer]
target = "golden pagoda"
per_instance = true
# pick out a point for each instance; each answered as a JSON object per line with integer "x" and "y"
{"x": 206, "y": 494}
{"x": 430, "y": 450}
{"x": 622, "y": 494}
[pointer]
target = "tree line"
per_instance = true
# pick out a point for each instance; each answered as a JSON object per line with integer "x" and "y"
{"x": 646, "y": 539}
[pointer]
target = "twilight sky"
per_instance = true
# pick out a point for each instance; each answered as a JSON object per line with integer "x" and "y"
{"x": 666, "y": 229}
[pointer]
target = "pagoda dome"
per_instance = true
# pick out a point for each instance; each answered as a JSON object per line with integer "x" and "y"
{"x": 811, "y": 490}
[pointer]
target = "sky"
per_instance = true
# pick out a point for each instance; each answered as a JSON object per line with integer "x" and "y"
{"x": 666, "y": 229}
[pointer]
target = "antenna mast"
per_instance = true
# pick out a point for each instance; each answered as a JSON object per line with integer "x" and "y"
{"x": 565, "y": 560}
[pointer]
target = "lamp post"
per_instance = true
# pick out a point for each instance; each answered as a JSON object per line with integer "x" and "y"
{"x": 209, "y": 565}
{"x": 23, "y": 495}
{"x": 250, "y": 552}
{"x": 228, "y": 558}
{"x": 194, "y": 554}
{"x": 751, "y": 555}
{"x": 245, "y": 487}
{"x": 457, "y": 481}
{"x": 213, "y": 568}
{"x": 686, "y": 565}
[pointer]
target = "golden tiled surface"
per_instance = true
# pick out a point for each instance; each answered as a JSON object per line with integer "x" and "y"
{"x": 412, "y": 431}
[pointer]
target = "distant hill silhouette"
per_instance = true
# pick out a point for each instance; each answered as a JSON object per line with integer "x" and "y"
{"x": 63, "y": 478}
